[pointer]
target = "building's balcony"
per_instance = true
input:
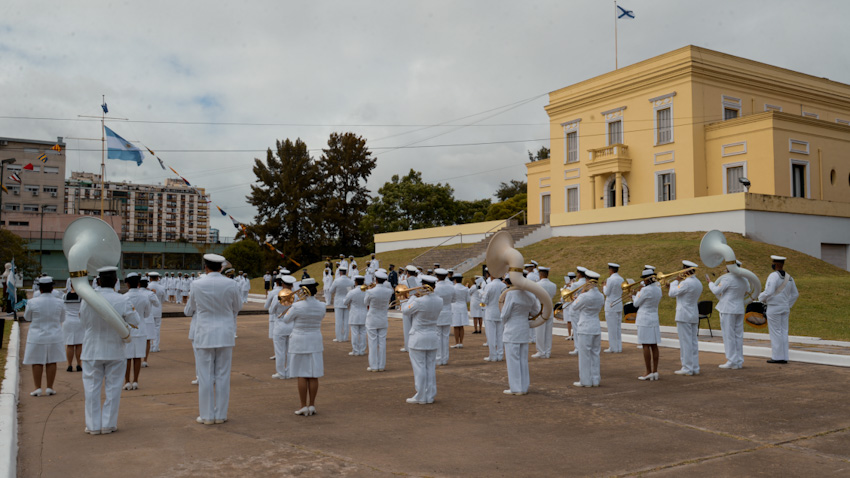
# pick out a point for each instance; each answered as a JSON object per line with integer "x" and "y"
{"x": 608, "y": 160}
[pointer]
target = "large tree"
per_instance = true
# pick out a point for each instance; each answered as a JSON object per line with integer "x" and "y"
{"x": 509, "y": 207}
{"x": 345, "y": 166}
{"x": 509, "y": 190}
{"x": 14, "y": 247}
{"x": 408, "y": 203}
{"x": 287, "y": 200}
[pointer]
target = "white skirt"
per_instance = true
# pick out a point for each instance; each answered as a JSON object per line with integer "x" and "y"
{"x": 649, "y": 334}
{"x": 306, "y": 365}
{"x": 460, "y": 319}
{"x": 150, "y": 328}
{"x": 73, "y": 334}
{"x": 42, "y": 354}
{"x": 136, "y": 348}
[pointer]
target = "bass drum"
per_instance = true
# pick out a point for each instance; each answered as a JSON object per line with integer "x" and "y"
{"x": 756, "y": 315}
{"x": 629, "y": 313}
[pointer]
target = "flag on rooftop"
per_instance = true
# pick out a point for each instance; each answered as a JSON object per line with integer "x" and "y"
{"x": 28, "y": 167}
{"x": 15, "y": 177}
{"x": 120, "y": 148}
{"x": 43, "y": 157}
{"x": 185, "y": 181}
{"x": 57, "y": 148}
{"x": 173, "y": 171}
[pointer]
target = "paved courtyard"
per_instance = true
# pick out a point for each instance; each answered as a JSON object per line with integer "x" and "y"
{"x": 765, "y": 419}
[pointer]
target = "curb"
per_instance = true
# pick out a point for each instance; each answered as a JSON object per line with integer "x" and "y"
{"x": 9, "y": 406}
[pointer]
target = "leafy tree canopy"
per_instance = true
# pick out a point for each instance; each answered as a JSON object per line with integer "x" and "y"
{"x": 511, "y": 189}
{"x": 247, "y": 256}
{"x": 542, "y": 153}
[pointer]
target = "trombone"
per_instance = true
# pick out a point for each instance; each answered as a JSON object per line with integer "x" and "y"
{"x": 288, "y": 296}
{"x": 627, "y": 290}
{"x": 665, "y": 279}
{"x": 365, "y": 287}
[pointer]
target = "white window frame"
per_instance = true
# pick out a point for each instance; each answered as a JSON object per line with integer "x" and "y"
{"x": 571, "y": 127}
{"x": 770, "y": 107}
{"x": 658, "y": 177}
{"x": 732, "y": 165}
{"x": 51, "y": 171}
{"x": 842, "y": 121}
{"x": 541, "y": 207}
{"x": 608, "y": 134}
{"x": 791, "y": 177}
{"x": 809, "y": 114}
{"x": 29, "y": 208}
{"x": 798, "y": 146}
{"x": 32, "y": 188}
{"x": 577, "y": 187}
{"x": 729, "y": 102}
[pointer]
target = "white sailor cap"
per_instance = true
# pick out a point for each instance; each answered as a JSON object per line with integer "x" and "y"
{"x": 107, "y": 269}
{"x": 614, "y": 265}
{"x": 534, "y": 262}
{"x": 382, "y": 270}
{"x": 351, "y": 257}
{"x": 526, "y": 266}
{"x": 144, "y": 279}
{"x": 581, "y": 269}
{"x": 381, "y": 275}
{"x": 451, "y": 270}
{"x": 412, "y": 269}
{"x": 689, "y": 264}
{"x": 132, "y": 274}
{"x": 649, "y": 267}
{"x": 343, "y": 268}
{"x": 571, "y": 274}
{"x": 429, "y": 279}
{"x": 45, "y": 280}
{"x": 507, "y": 276}
{"x": 592, "y": 275}
{"x": 153, "y": 274}
{"x": 288, "y": 279}
{"x": 285, "y": 271}
{"x": 648, "y": 272}
{"x": 308, "y": 281}
{"x": 214, "y": 258}
{"x": 441, "y": 272}
{"x": 777, "y": 258}
{"x": 358, "y": 276}
{"x": 479, "y": 277}
{"x": 342, "y": 255}
{"x": 543, "y": 269}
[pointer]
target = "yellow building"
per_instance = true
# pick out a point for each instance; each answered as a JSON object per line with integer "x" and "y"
{"x": 670, "y": 137}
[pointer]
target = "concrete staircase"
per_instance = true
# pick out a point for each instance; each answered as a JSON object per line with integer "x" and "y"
{"x": 462, "y": 259}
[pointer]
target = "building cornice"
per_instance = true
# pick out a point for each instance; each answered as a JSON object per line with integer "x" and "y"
{"x": 777, "y": 116}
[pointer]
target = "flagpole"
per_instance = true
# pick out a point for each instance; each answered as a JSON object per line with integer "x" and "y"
{"x": 102, "y": 155}
{"x": 616, "y": 44}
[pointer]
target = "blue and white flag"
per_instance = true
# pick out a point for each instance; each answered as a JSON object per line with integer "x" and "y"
{"x": 105, "y": 109}
{"x": 12, "y": 295}
{"x": 120, "y": 148}
{"x": 623, "y": 13}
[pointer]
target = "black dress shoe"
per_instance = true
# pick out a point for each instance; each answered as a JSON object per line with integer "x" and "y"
{"x": 79, "y": 369}
{"x": 777, "y": 361}
{"x": 70, "y": 368}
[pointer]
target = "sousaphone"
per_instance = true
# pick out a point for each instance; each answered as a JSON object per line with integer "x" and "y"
{"x": 502, "y": 258}
{"x": 713, "y": 251}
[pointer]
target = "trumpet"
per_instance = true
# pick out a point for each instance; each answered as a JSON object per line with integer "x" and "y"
{"x": 289, "y": 296}
{"x": 570, "y": 295}
{"x": 627, "y": 289}
{"x": 403, "y": 292}
{"x": 665, "y": 279}
{"x": 365, "y": 287}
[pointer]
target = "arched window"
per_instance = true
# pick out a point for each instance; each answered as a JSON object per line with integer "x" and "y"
{"x": 610, "y": 192}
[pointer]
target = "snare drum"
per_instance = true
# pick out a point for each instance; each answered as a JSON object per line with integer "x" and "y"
{"x": 629, "y": 313}
{"x": 756, "y": 314}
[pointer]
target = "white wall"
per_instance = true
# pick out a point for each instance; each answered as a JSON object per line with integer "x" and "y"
{"x": 800, "y": 232}
{"x": 729, "y": 221}
{"x": 467, "y": 239}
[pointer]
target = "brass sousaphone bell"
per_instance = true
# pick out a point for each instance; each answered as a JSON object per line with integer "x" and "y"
{"x": 502, "y": 258}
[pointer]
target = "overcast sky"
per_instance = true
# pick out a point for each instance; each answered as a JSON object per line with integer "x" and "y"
{"x": 393, "y": 71}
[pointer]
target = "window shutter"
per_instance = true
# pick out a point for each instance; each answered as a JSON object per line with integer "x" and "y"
{"x": 672, "y": 186}
{"x": 659, "y": 187}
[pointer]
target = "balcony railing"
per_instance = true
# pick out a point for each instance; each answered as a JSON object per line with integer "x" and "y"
{"x": 614, "y": 151}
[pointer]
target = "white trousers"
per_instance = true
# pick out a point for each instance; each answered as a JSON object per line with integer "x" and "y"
{"x": 110, "y": 375}
{"x": 689, "y": 345}
{"x": 493, "y": 330}
{"x": 157, "y": 325}
{"x": 532, "y": 336}
{"x": 281, "y": 348}
{"x": 516, "y": 358}
{"x": 424, "y": 364}
{"x": 405, "y": 325}
{"x": 443, "y": 352}
{"x": 544, "y": 338}
{"x": 341, "y": 324}
{"x": 777, "y": 323}
{"x": 213, "y": 381}
{"x": 358, "y": 339}
{"x": 614, "y": 320}
{"x": 377, "y": 348}
{"x": 588, "y": 346}
{"x": 732, "y": 327}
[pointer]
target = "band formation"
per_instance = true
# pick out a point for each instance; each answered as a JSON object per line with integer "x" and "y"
{"x": 111, "y": 335}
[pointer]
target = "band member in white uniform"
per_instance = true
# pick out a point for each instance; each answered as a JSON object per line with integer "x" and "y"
{"x": 687, "y": 292}
{"x": 581, "y": 279}
{"x": 475, "y": 300}
{"x": 648, "y": 327}
{"x": 614, "y": 309}
{"x": 46, "y": 313}
{"x": 412, "y": 281}
{"x": 135, "y": 350}
{"x": 337, "y": 292}
{"x": 424, "y": 342}
{"x": 543, "y": 333}
{"x": 460, "y": 313}
{"x": 444, "y": 290}
{"x": 327, "y": 279}
{"x": 730, "y": 290}
{"x": 150, "y": 324}
{"x": 281, "y": 331}
{"x": 519, "y": 305}
{"x": 589, "y": 332}
{"x": 569, "y": 279}
{"x": 271, "y": 299}
{"x": 157, "y": 287}
{"x": 104, "y": 357}
{"x": 354, "y": 301}
{"x": 185, "y": 287}
{"x": 377, "y": 302}
{"x": 780, "y": 294}
{"x": 493, "y": 319}
{"x": 305, "y": 346}
{"x": 215, "y": 302}
{"x": 72, "y": 330}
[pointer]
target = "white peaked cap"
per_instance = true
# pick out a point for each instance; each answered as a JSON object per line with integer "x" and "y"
{"x": 412, "y": 269}
{"x": 428, "y": 279}
{"x": 358, "y": 276}
{"x": 526, "y": 266}
{"x": 108, "y": 269}
{"x": 288, "y": 280}
{"x": 613, "y": 264}
{"x": 649, "y": 267}
{"x": 689, "y": 264}
{"x": 544, "y": 269}
{"x": 308, "y": 281}
{"x": 45, "y": 280}
{"x": 647, "y": 272}
{"x": 343, "y": 268}
{"x": 214, "y": 258}
{"x": 581, "y": 269}
{"x": 777, "y": 258}
{"x": 592, "y": 275}
{"x": 441, "y": 272}
{"x": 381, "y": 275}
{"x": 132, "y": 274}
{"x": 534, "y": 262}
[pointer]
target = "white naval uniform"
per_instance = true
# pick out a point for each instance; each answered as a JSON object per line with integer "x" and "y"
{"x": 305, "y": 342}
{"x": 589, "y": 336}
{"x": 141, "y": 303}
{"x": 613, "y": 291}
{"x": 423, "y": 344}
{"x": 338, "y": 290}
{"x": 412, "y": 281}
{"x": 533, "y": 276}
{"x": 103, "y": 360}
{"x": 493, "y": 320}
{"x": 271, "y": 298}
{"x": 185, "y": 287}
{"x": 647, "y": 300}
{"x": 519, "y": 304}
{"x": 543, "y": 333}
{"x": 687, "y": 294}
{"x": 460, "y": 314}
{"x": 445, "y": 291}
{"x": 354, "y": 300}
{"x": 246, "y": 287}
{"x": 475, "y": 299}
{"x": 377, "y": 300}
{"x": 730, "y": 290}
{"x": 327, "y": 281}
{"x": 214, "y": 302}
{"x": 778, "y": 309}
{"x": 281, "y": 331}
{"x": 150, "y": 324}
{"x": 72, "y": 328}
{"x": 46, "y": 314}
{"x": 159, "y": 290}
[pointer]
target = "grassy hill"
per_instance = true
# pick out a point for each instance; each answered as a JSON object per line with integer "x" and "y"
{"x": 824, "y": 289}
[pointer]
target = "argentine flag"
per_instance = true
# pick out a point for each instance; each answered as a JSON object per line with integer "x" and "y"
{"x": 120, "y": 148}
